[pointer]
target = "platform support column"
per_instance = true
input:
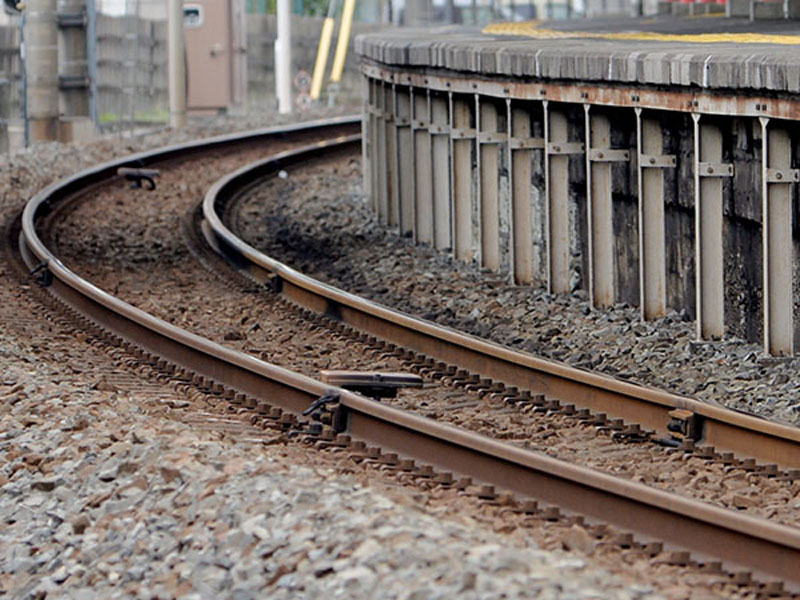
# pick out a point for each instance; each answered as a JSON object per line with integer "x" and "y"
{"x": 373, "y": 144}
{"x": 488, "y": 167}
{"x": 405, "y": 161}
{"x": 392, "y": 181}
{"x": 366, "y": 147}
{"x": 440, "y": 142}
{"x": 382, "y": 163}
{"x": 520, "y": 150}
{"x": 423, "y": 189}
{"x": 652, "y": 261}
{"x": 461, "y": 140}
{"x": 557, "y": 191}
{"x": 709, "y": 263}
{"x": 776, "y": 233}
{"x": 599, "y": 207}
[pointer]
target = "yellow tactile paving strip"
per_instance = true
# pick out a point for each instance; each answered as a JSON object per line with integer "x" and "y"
{"x": 532, "y": 29}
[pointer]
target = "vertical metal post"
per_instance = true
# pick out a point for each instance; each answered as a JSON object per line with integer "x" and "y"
{"x": 776, "y": 236}
{"x": 652, "y": 261}
{"x": 440, "y": 141}
{"x": 599, "y": 209}
{"x": 373, "y": 144}
{"x": 283, "y": 57}
{"x": 489, "y": 184}
{"x": 391, "y": 155}
{"x": 462, "y": 178}
{"x": 519, "y": 128}
{"x": 177, "y": 65}
{"x": 423, "y": 188}
{"x": 557, "y": 186}
{"x": 366, "y": 148}
{"x": 342, "y": 42}
{"x": 405, "y": 162}
{"x": 382, "y": 176}
{"x": 709, "y": 286}
{"x": 91, "y": 56}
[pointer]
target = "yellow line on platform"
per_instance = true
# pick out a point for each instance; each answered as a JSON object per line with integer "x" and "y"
{"x": 532, "y": 29}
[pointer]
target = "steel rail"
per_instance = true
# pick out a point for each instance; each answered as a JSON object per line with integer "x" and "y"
{"x": 754, "y": 543}
{"x": 688, "y": 523}
{"x": 725, "y": 429}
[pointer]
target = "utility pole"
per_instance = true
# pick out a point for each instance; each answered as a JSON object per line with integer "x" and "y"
{"x": 283, "y": 57}
{"x": 176, "y": 64}
{"x": 41, "y": 65}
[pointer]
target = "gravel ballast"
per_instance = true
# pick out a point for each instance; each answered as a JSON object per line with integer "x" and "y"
{"x": 320, "y": 223}
{"x": 112, "y": 486}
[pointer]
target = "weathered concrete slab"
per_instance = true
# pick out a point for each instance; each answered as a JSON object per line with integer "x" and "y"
{"x": 761, "y": 66}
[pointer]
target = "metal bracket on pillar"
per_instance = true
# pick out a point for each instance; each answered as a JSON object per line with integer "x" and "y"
{"x": 530, "y": 143}
{"x": 73, "y": 82}
{"x": 462, "y": 134}
{"x": 487, "y": 137}
{"x": 607, "y": 155}
{"x": 419, "y": 126}
{"x": 783, "y": 176}
{"x": 560, "y": 148}
{"x": 439, "y": 130}
{"x": 402, "y": 121}
{"x": 705, "y": 169}
{"x": 665, "y": 161}
{"x": 65, "y": 20}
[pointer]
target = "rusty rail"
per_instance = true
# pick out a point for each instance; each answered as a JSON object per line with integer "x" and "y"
{"x": 754, "y": 543}
{"x": 728, "y": 430}
{"x": 687, "y": 523}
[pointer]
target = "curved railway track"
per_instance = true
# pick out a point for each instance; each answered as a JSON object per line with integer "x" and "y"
{"x": 353, "y": 421}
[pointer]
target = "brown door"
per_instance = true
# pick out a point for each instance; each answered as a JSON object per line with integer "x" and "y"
{"x": 208, "y": 53}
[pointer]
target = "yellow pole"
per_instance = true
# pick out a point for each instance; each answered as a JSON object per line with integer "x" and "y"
{"x": 322, "y": 52}
{"x": 344, "y": 38}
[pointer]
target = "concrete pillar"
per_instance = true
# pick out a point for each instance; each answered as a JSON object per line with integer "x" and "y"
{"x": 390, "y": 105}
{"x": 176, "y": 64}
{"x": 520, "y": 153}
{"x": 405, "y": 161}
{"x": 557, "y": 192}
{"x": 652, "y": 262}
{"x": 461, "y": 172}
{"x": 41, "y": 67}
{"x": 440, "y": 142}
{"x": 599, "y": 208}
{"x": 776, "y": 233}
{"x": 488, "y": 166}
{"x": 709, "y": 262}
{"x": 423, "y": 187}
{"x": 381, "y": 172}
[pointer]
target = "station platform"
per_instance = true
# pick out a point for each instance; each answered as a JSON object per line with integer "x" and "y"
{"x": 706, "y": 51}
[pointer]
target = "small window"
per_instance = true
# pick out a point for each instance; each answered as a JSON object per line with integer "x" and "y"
{"x": 192, "y": 16}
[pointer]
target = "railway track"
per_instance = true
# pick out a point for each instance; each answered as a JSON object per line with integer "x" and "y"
{"x": 353, "y": 422}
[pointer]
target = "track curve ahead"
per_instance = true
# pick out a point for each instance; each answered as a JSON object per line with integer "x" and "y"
{"x": 742, "y": 540}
